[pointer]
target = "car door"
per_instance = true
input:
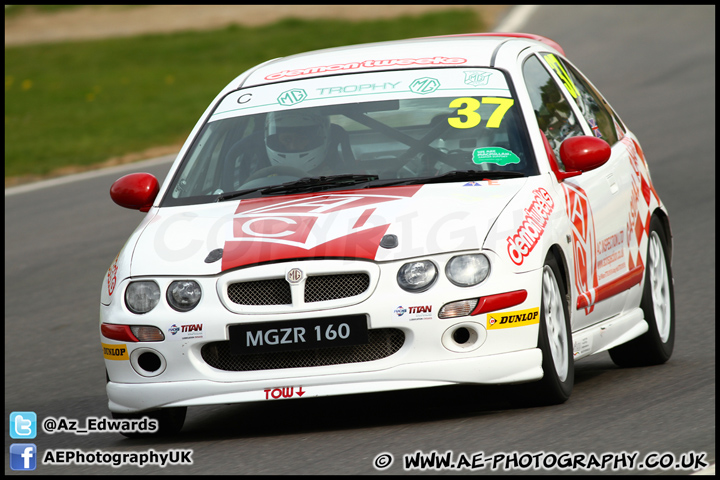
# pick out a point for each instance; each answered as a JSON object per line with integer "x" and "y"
{"x": 597, "y": 202}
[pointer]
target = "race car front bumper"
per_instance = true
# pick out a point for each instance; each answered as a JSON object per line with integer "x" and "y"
{"x": 410, "y": 343}
{"x": 514, "y": 367}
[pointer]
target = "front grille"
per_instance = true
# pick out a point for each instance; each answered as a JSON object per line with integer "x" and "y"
{"x": 261, "y": 292}
{"x": 382, "y": 343}
{"x": 319, "y": 288}
{"x": 331, "y": 287}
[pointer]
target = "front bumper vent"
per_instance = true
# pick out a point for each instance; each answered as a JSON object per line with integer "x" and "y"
{"x": 382, "y": 343}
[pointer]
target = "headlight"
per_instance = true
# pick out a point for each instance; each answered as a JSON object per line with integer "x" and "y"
{"x": 141, "y": 297}
{"x": 183, "y": 295}
{"x": 467, "y": 270}
{"x": 417, "y": 276}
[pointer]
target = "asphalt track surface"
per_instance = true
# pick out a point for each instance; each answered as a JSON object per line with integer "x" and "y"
{"x": 655, "y": 65}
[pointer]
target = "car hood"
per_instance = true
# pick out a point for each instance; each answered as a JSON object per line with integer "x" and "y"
{"x": 378, "y": 224}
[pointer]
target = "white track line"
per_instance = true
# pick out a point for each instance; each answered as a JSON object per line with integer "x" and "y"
{"x": 87, "y": 175}
{"x": 517, "y": 18}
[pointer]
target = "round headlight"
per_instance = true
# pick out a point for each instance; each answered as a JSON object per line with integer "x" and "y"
{"x": 467, "y": 270}
{"x": 143, "y": 296}
{"x": 417, "y": 276}
{"x": 183, "y": 295}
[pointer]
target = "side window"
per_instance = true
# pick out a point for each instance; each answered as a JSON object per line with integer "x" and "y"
{"x": 596, "y": 111}
{"x": 553, "y": 112}
{"x": 209, "y": 167}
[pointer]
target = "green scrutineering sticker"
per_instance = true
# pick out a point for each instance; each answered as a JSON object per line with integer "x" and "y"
{"x": 497, "y": 155}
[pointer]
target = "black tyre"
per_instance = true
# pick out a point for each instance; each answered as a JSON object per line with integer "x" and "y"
{"x": 655, "y": 346}
{"x": 555, "y": 341}
{"x": 170, "y": 421}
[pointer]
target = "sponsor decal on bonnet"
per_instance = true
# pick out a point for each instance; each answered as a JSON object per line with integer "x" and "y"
{"x": 332, "y": 225}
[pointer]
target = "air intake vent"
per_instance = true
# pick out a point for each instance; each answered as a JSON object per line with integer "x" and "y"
{"x": 261, "y": 292}
{"x": 382, "y": 343}
{"x": 319, "y": 288}
{"x": 331, "y": 287}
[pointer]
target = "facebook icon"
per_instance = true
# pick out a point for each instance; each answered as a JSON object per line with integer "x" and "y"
{"x": 23, "y": 456}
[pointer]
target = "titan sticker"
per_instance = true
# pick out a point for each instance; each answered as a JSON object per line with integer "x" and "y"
{"x": 185, "y": 331}
{"x": 420, "y": 312}
{"x": 519, "y": 318}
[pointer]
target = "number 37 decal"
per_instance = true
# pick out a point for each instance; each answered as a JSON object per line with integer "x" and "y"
{"x": 468, "y": 116}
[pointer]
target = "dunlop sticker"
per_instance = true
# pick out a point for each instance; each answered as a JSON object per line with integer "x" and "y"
{"x": 115, "y": 352}
{"x": 518, "y": 318}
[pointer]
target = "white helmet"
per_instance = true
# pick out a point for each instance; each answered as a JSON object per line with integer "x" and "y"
{"x": 297, "y": 138}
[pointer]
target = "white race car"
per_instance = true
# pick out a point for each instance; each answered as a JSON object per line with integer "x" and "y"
{"x": 452, "y": 210}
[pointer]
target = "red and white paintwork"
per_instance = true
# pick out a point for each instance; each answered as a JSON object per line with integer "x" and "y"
{"x": 600, "y": 224}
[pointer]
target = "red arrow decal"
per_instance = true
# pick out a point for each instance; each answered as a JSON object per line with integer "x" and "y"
{"x": 300, "y": 392}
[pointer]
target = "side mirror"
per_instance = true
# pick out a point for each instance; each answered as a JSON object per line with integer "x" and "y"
{"x": 136, "y": 191}
{"x": 582, "y": 154}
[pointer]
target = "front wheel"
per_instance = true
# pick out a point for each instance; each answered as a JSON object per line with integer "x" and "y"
{"x": 555, "y": 341}
{"x": 655, "y": 346}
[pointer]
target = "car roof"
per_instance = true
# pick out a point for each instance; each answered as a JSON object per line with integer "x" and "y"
{"x": 475, "y": 49}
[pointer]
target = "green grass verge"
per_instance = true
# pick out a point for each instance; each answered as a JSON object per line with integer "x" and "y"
{"x": 81, "y": 103}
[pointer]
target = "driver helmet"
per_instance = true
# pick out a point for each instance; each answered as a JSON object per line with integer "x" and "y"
{"x": 297, "y": 138}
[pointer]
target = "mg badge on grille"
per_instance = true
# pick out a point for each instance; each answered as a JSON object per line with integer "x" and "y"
{"x": 294, "y": 275}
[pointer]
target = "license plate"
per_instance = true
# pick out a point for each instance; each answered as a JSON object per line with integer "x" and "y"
{"x": 298, "y": 334}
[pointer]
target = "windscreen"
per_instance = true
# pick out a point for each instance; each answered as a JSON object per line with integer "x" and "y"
{"x": 407, "y": 124}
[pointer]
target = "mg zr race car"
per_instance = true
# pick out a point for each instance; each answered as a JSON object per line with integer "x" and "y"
{"x": 454, "y": 210}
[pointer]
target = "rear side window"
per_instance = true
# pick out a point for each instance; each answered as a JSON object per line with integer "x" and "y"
{"x": 593, "y": 106}
{"x": 553, "y": 112}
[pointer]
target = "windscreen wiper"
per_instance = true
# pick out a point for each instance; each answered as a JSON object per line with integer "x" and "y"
{"x": 314, "y": 184}
{"x": 305, "y": 184}
{"x": 462, "y": 175}
{"x": 239, "y": 193}
{"x": 454, "y": 176}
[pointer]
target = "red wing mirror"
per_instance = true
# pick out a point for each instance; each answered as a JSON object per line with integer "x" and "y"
{"x": 136, "y": 191}
{"x": 583, "y": 154}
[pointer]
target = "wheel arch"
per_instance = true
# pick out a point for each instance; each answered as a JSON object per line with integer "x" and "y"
{"x": 557, "y": 252}
{"x": 665, "y": 222}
